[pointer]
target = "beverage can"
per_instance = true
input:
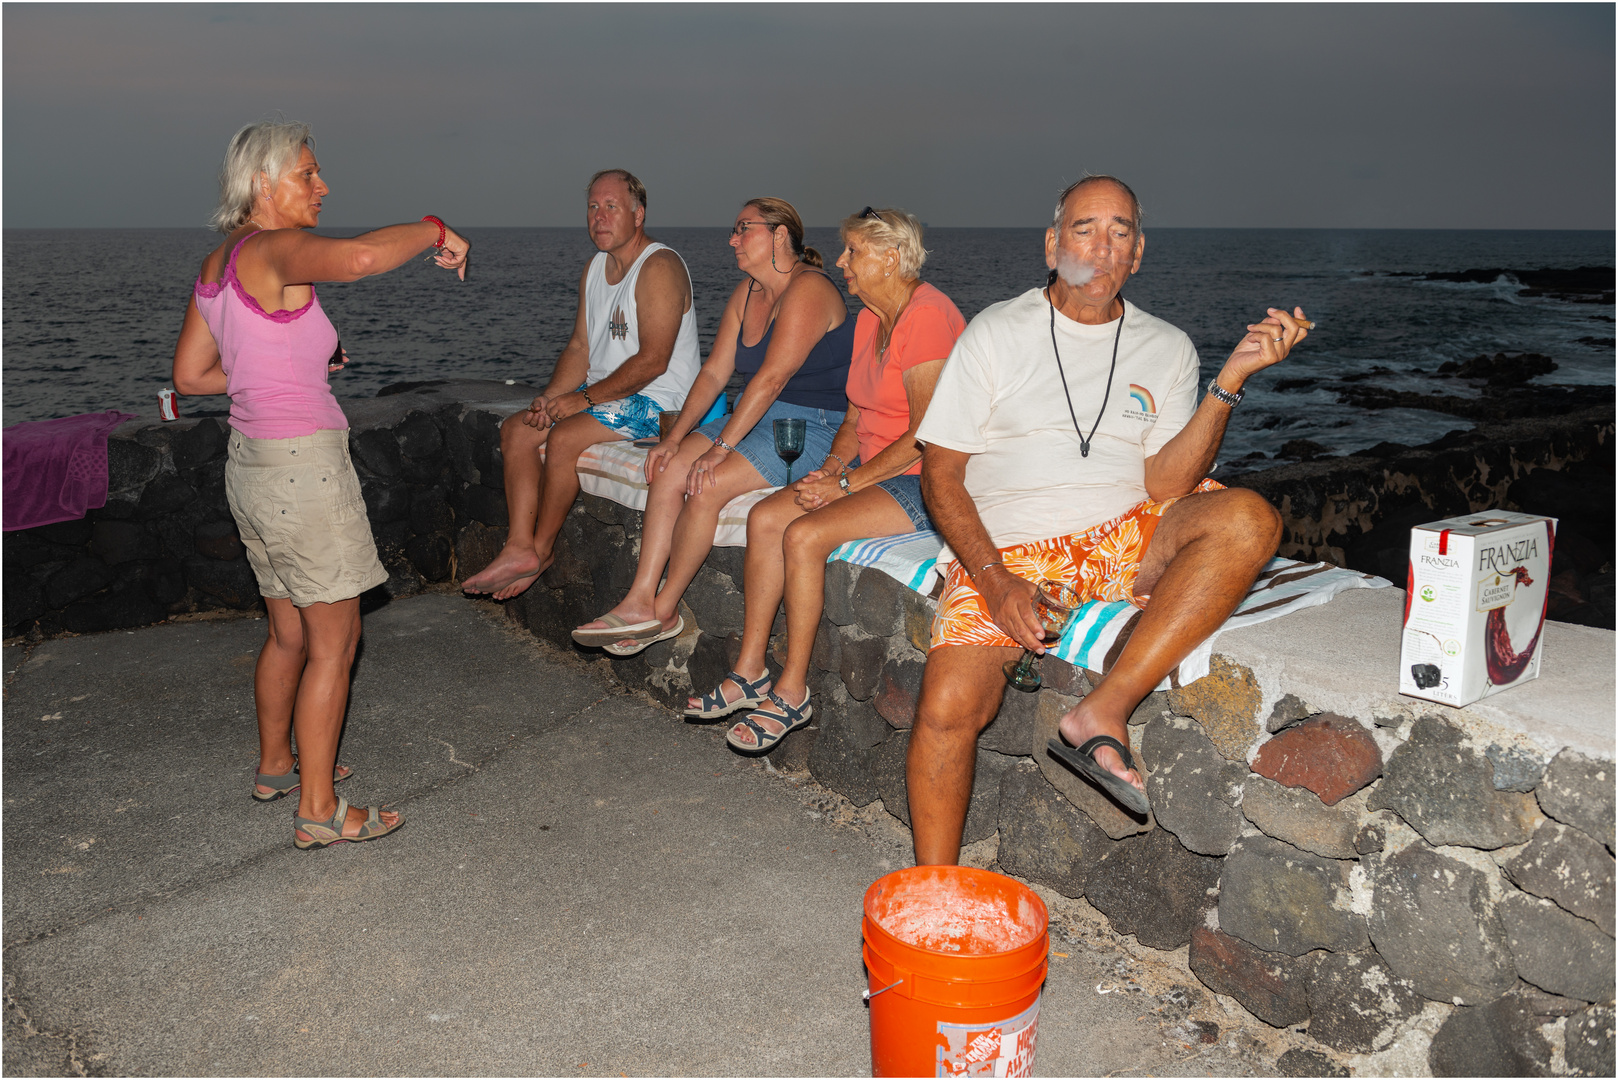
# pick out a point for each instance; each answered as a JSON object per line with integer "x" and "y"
{"x": 167, "y": 407}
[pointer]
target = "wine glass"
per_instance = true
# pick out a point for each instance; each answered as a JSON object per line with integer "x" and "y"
{"x": 1054, "y": 604}
{"x": 789, "y": 434}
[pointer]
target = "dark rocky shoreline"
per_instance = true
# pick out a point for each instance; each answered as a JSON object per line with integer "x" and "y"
{"x": 165, "y": 543}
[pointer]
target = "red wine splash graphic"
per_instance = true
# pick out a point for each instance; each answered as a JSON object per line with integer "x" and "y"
{"x": 1505, "y": 663}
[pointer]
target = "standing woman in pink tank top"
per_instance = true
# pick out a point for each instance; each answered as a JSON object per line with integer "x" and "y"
{"x": 254, "y": 330}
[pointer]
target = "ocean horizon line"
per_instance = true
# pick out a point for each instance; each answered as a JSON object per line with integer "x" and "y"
{"x": 652, "y": 228}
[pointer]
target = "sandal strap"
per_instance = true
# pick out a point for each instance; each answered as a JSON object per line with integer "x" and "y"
{"x": 1088, "y": 749}
{"x": 751, "y": 688}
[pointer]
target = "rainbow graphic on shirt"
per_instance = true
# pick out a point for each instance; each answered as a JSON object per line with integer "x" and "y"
{"x": 1143, "y": 399}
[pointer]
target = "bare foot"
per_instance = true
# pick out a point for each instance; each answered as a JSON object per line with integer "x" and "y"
{"x": 1079, "y": 726}
{"x": 518, "y": 586}
{"x": 514, "y": 563}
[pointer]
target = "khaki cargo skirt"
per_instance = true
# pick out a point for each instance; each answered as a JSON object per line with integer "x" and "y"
{"x": 298, "y": 508}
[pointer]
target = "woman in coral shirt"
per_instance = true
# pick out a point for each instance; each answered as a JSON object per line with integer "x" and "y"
{"x": 900, "y": 343}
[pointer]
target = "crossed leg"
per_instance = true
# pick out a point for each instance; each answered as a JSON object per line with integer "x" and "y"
{"x": 1206, "y": 552}
{"x": 539, "y": 494}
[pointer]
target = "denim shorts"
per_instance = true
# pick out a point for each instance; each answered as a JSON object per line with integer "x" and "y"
{"x": 758, "y": 447}
{"x": 906, "y": 491}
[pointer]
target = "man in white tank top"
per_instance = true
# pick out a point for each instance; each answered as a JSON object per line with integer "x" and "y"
{"x": 633, "y": 354}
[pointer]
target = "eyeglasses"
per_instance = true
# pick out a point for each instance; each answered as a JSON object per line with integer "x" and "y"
{"x": 872, "y": 212}
{"x": 741, "y": 227}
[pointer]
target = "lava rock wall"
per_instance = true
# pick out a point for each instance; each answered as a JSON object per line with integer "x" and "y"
{"x": 1369, "y": 877}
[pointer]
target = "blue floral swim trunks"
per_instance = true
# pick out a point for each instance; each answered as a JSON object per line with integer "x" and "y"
{"x": 633, "y": 417}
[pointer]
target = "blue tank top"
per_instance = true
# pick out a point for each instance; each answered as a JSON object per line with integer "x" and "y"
{"x": 822, "y": 381}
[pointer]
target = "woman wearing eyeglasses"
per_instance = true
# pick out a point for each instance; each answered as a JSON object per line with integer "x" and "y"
{"x": 901, "y": 341}
{"x": 787, "y": 332}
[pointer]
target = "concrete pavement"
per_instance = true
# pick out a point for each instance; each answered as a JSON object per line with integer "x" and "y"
{"x": 585, "y": 884}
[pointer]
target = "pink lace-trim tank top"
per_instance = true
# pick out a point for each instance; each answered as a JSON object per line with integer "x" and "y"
{"x": 275, "y": 362}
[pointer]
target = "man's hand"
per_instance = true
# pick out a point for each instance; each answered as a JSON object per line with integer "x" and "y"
{"x": 1010, "y": 602}
{"x": 563, "y": 406}
{"x": 1267, "y": 343}
{"x": 537, "y": 416}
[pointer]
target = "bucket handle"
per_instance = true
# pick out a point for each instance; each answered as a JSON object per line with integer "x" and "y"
{"x": 868, "y": 993}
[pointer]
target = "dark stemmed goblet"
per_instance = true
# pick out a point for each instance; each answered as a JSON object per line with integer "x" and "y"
{"x": 789, "y": 434}
{"x": 1054, "y": 604}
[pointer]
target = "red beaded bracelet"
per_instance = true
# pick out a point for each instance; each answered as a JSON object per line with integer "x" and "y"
{"x": 442, "y": 231}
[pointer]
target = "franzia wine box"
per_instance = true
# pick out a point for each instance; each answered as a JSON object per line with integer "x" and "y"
{"x": 1475, "y": 605}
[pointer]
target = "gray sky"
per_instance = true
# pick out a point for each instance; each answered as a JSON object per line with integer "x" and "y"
{"x": 1402, "y": 116}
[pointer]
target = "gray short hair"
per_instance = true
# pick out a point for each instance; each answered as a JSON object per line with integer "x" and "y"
{"x": 890, "y": 228}
{"x": 1091, "y": 178}
{"x": 269, "y": 148}
{"x": 637, "y": 190}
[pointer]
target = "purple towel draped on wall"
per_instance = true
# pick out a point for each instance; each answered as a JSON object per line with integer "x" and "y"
{"x": 55, "y": 470}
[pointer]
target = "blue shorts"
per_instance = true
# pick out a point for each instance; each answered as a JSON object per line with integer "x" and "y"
{"x": 758, "y": 447}
{"x": 906, "y": 491}
{"x": 633, "y": 417}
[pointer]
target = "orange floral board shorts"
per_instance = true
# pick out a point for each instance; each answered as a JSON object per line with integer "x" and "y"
{"x": 1100, "y": 564}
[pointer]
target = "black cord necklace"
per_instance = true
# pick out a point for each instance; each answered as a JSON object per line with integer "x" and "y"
{"x": 1084, "y": 441}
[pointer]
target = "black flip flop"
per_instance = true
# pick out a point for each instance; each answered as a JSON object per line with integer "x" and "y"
{"x": 1083, "y": 762}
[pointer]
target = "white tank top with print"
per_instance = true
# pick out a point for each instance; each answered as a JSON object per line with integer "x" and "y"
{"x": 612, "y": 330}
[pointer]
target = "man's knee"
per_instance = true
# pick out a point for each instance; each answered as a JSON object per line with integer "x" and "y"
{"x": 573, "y": 436}
{"x": 516, "y": 436}
{"x": 954, "y": 701}
{"x": 1251, "y": 519}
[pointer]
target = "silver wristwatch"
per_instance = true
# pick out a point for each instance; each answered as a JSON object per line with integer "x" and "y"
{"x": 1225, "y": 396}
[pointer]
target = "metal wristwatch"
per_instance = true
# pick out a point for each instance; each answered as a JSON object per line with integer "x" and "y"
{"x": 1225, "y": 396}
{"x": 842, "y": 482}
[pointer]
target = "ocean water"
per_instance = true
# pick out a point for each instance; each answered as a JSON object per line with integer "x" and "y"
{"x": 90, "y": 317}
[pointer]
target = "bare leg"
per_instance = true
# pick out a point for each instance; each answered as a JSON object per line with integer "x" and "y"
{"x": 806, "y": 542}
{"x": 695, "y": 529}
{"x": 1206, "y": 553}
{"x": 524, "y": 476}
{"x": 568, "y": 439}
{"x": 665, "y": 498}
{"x": 331, "y": 634}
{"x": 765, "y": 525}
{"x": 960, "y": 694}
{"x": 275, "y": 687}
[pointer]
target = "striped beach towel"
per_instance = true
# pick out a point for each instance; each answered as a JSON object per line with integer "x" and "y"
{"x": 617, "y": 471}
{"x": 1097, "y": 636}
{"x": 910, "y": 559}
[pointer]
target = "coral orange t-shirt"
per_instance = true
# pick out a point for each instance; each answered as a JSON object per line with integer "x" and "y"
{"x": 926, "y": 330}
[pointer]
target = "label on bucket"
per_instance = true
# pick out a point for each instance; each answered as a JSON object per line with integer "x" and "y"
{"x": 1005, "y": 1048}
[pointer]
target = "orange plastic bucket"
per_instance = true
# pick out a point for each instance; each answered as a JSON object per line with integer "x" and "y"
{"x": 956, "y": 959}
